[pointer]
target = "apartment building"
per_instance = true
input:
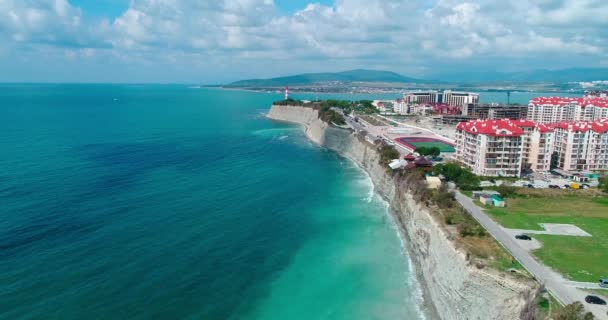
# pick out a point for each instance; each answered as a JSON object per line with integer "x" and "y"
{"x": 541, "y": 141}
{"x": 582, "y": 146}
{"x": 490, "y": 147}
{"x": 557, "y": 109}
{"x": 497, "y": 147}
{"x": 400, "y": 107}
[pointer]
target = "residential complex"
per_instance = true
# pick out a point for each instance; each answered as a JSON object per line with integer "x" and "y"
{"x": 556, "y": 109}
{"x": 506, "y": 147}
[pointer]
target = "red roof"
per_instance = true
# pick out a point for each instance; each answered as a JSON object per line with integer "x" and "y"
{"x": 505, "y": 128}
{"x": 584, "y": 126}
{"x": 508, "y": 127}
{"x": 544, "y": 128}
{"x": 561, "y": 101}
{"x": 524, "y": 123}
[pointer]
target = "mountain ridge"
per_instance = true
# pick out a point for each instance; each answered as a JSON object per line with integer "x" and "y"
{"x": 357, "y": 75}
{"x": 366, "y": 75}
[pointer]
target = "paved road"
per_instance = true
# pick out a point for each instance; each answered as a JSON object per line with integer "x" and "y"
{"x": 553, "y": 281}
{"x": 585, "y": 285}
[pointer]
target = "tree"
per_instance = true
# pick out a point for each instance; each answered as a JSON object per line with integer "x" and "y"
{"x": 422, "y": 150}
{"x": 464, "y": 178}
{"x": 432, "y": 151}
{"x": 574, "y": 311}
{"x": 506, "y": 191}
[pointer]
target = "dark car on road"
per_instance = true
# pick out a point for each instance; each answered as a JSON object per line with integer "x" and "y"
{"x": 523, "y": 237}
{"x": 595, "y": 300}
{"x": 554, "y": 186}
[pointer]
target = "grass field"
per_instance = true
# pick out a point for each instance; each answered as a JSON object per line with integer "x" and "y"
{"x": 578, "y": 258}
{"x": 417, "y": 143}
{"x": 442, "y": 146}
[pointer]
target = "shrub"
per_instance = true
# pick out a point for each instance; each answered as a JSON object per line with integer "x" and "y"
{"x": 604, "y": 184}
{"x": 506, "y": 191}
{"x": 470, "y": 228}
{"x": 573, "y": 311}
{"x": 444, "y": 198}
{"x": 387, "y": 154}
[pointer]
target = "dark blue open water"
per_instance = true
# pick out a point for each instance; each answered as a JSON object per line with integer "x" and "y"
{"x": 164, "y": 202}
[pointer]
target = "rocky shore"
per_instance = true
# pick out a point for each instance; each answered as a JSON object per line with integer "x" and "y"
{"x": 454, "y": 287}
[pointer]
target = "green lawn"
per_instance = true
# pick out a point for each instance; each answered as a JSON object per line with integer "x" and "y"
{"x": 444, "y": 147}
{"x": 578, "y": 258}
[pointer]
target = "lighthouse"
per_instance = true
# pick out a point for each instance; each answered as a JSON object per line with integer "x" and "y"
{"x": 286, "y": 92}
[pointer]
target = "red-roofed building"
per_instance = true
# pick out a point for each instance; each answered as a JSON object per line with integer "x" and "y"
{"x": 506, "y": 147}
{"x": 556, "y": 109}
{"x": 582, "y": 146}
{"x": 490, "y": 147}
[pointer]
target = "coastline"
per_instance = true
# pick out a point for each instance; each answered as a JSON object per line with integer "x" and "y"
{"x": 427, "y": 308}
{"x": 453, "y": 287}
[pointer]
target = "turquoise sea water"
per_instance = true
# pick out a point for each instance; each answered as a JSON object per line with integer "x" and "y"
{"x": 164, "y": 202}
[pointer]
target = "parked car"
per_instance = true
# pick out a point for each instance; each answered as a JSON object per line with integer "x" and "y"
{"x": 531, "y": 186}
{"x": 595, "y": 300}
{"x": 604, "y": 283}
{"x": 585, "y": 186}
{"x": 523, "y": 237}
{"x": 566, "y": 186}
{"x": 554, "y": 186}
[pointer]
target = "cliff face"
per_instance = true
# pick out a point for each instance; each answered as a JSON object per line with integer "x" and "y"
{"x": 456, "y": 288}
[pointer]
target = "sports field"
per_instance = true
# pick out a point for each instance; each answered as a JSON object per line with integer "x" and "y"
{"x": 414, "y": 143}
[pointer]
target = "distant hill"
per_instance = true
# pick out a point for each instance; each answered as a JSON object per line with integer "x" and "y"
{"x": 310, "y": 78}
{"x": 557, "y": 76}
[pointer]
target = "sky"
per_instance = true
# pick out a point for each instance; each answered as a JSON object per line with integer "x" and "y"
{"x": 219, "y": 41}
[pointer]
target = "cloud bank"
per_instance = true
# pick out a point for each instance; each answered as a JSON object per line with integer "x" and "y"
{"x": 217, "y": 41}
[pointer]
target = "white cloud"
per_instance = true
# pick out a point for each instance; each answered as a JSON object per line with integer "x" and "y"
{"x": 400, "y": 34}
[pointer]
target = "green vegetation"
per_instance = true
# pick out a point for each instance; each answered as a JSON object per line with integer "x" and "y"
{"x": 328, "y": 115}
{"x": 466, "y": 232}
{"x": 604, "y": 184}
{"x": 289, "y": 102}
{"x": 573, "y": 311}
{"x": 432, "y": 151}
{"x": 462, "y": 177}
{"x": 443, "y": 147}
{"x": 507, "y": 191}
{"x": 578, "y": 258}
{"x": 387, "y": 154}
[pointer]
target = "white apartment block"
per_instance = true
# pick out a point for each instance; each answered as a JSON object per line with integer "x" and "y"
{"x": 490, "y": 147}
{"x": 400, "y": 107}
{"x": 557, "y": 109}
{"x": 582, "y": 146}
{"x": 505, "y": 147}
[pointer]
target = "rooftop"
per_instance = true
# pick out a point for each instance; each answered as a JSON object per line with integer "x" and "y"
{"x": 504, "y": 127}
{"x": 562, "y": 101}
